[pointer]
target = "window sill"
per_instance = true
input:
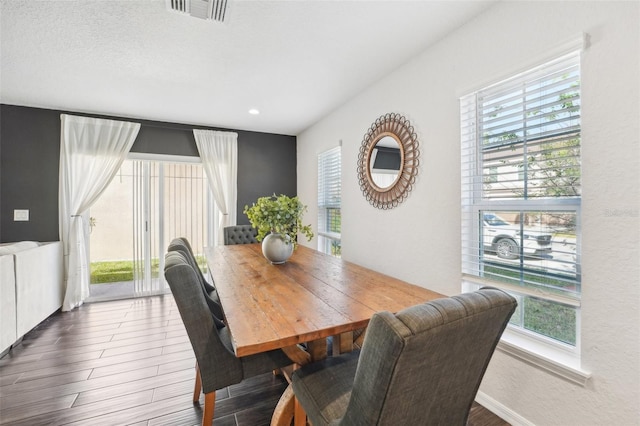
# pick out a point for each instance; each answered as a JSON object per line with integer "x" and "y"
{"x": 551, "y": 357}
{"x": 330, "y": 235}
{"x": 552, "y": 360}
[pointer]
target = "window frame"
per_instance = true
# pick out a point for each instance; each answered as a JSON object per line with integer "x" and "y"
{"x": 551, "y": 354}
{"x": 329, "y": 186}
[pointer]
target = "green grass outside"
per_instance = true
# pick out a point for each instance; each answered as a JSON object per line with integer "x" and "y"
{"x": 112, "y": 271}
{"x": 550, "y": 319}
{"x": 558, "y": 284}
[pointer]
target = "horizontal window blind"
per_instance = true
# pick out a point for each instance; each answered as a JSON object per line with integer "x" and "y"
{"x": 529, "y": 131}
{"x": 521, "y": 189}
{"x": 329, "y": 200}
{"x": 329, "y": 184}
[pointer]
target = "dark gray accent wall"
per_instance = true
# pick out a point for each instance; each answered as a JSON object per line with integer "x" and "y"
{"x": 265, "y": 170}
{"x": 30, "y": 158}
{"x": 29, "y": 162}
{"x": 164, "y": 139}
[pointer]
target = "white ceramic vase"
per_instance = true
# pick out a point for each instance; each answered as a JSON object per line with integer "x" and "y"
{"x": 277, "y": 248}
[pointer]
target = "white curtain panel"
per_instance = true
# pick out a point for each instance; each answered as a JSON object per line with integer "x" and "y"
{"x": 91, "y": 152}
{"x": 219, "y": 154}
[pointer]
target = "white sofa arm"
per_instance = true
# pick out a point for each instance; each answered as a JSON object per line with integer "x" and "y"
{"x": 39, "y": 284}
{"x": 8, "y": 331}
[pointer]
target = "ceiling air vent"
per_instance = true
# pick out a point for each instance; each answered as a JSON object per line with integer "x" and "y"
{"x": 215, "y": 10}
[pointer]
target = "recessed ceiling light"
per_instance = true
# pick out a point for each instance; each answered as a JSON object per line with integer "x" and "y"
{"x": 254, "y": 111}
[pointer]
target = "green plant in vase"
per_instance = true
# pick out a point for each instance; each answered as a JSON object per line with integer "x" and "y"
{"x": 281, "y": 217}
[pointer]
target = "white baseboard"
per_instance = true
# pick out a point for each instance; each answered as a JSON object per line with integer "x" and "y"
{"x": 501, "y": 411}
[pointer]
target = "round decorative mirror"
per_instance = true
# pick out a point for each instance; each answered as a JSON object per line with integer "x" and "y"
{"x": 388, "y": 161}
{"x": 385, "y": 162}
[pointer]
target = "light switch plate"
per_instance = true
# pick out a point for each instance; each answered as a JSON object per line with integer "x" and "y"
{"x": 21, "y": 215}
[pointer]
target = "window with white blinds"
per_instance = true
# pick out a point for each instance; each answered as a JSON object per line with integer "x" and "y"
{"x": 521, "y": 190}
{"x": 329, "y": 201}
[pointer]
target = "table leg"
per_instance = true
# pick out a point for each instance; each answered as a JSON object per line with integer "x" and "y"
{"x": 288, "y": 407}
{"x": 317, "y": 350}
{"x": 297, "y": 355}
{"x": 342, "y": 343}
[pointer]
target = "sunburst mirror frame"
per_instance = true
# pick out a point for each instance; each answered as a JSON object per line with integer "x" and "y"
{"x": 400, "y": 129}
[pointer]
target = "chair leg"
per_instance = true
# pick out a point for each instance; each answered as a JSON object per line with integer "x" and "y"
{"x": 299, "y": 416}
{"x": 209, "y": 406}
{"x": 198, "y": 386}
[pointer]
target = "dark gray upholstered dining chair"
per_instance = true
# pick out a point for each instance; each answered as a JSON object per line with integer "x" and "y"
{"x": 240, "y": 234}
{"x": 211, "y": 295}
{"x": 422, "y": 366}
{"x": 183, "y": 246}
{"x": 187, "y": 245}
{"x": 218, "y": 366}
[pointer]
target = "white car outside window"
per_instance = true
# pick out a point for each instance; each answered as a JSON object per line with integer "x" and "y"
{"x": 505, "y": 239}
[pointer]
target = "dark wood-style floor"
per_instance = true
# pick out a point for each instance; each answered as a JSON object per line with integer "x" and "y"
{"x": 126, "y": 362}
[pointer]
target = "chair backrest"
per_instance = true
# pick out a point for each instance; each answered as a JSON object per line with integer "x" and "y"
{"x": 218, "y": 365}
{"x": 187, "y": 244}
{"x": 183, "y": 245}
{"x": 178, "y": 245}
{"x": 240, "y": 234}
{"x": 423, "y": 366}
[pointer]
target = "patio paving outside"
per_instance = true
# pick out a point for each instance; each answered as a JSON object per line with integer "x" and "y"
{"x": 119, "y": 290}
{"x": 110, "y": 291}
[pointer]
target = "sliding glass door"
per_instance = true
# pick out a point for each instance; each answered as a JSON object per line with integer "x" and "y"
{"x": 147, "y": 205}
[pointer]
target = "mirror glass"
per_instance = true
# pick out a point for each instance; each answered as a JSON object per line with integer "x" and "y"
{"x": 385, "y": 161}
{"x": 388, "y": 161}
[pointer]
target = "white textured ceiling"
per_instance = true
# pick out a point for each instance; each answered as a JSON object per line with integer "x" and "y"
{"x": 295, "y": 61}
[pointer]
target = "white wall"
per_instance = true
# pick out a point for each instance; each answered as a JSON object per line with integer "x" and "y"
{"x": 420, "y": 240}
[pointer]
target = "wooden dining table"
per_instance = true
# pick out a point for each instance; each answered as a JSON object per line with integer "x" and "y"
{"x": 305, "y": 300}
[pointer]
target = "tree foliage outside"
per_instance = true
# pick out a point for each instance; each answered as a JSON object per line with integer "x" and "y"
{"x": 547, "y": 166}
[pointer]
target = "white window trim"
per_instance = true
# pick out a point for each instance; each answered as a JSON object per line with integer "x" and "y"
{"x": 579, "y": 42}
{"x": 331, "y": 235}
{"x": 163, "y": 157}
{"x": 546, "y": 354}
{"x": 544, "y": 357}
